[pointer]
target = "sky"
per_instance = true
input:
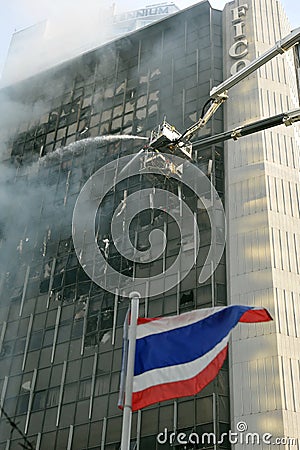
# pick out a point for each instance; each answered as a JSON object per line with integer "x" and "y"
{"x": 19, "y": 14}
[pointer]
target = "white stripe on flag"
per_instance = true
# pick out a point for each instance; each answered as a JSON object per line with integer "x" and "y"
{"x": 179, "y": 372}
{"x": 170, "y": 323}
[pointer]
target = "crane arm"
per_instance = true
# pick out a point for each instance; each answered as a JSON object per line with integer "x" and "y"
{"x": 287, "y": 119}
{"x": 219, "y": 93}
{"x": 167, "y": 138}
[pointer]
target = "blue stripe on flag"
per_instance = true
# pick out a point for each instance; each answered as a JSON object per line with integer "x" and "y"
{"x": 181, "y": 345}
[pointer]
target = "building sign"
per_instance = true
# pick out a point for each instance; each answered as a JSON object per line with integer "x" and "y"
{"x": 147, "y": 12}
{"x": 239, "y": 49}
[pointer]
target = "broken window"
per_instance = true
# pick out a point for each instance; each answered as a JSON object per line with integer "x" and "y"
{"x": 187, "y": 298}
{"x": 39, "y": 401}
{"x": 23, "y": 402}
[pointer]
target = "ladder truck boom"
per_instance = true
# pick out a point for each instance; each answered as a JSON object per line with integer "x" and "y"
{"x": 165, "y": 138}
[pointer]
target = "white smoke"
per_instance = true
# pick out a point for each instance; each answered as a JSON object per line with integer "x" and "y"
{"x": 52, "y": 32}
{"x": 57, "y": 34}
{"x": 67, "y": 28}
{"x": 60, "y": 34}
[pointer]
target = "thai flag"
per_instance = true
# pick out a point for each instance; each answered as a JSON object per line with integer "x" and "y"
{"x": 178, "y": 356}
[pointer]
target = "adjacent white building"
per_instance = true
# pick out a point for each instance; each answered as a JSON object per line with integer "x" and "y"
{"x": 263, "y": 212}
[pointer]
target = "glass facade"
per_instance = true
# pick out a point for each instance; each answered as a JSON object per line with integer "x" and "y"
{"x": 61, "y": 334}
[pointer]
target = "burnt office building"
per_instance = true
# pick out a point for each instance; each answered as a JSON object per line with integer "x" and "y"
{"x": 61, "y": 333}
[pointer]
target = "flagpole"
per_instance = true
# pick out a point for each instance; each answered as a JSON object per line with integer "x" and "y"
{"x": 127, "y": 410}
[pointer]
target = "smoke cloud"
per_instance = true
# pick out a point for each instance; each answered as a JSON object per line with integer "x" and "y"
{"x": 51, "y": 33}
{"x": 57, "y": 34}
{"x": 62, "y": 33}
{"x": 71, "y": 29}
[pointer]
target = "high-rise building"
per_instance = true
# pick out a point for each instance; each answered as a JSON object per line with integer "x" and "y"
{"x": 262, "y": 208}
{"x": 61, "y": 334}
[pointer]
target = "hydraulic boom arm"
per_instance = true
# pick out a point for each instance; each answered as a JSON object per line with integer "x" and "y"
{"x": 219, "y": 93}
{"x": 287, "y": 119}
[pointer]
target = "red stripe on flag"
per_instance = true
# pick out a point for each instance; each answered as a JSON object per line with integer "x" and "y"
{"x": 179, "y": 389}
{"x": 142, "y": 320}
{"x": 256, "y": 315}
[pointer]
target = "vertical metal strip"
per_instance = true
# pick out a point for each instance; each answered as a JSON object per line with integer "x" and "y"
{"x": 103, "y": 436}
{"x": 93, "y": 384}
{"x": 2, "y": 336}
{"x": 134, "y": 254}
{"x": 151, "y": 207}
{"x": 124, "y": 102}
{"x": 180, "y": 200}
{"x": 172, "y": 74}
{"x": 213, "y": 301}
{"x": 127, "y": 409}
{"x": 58, "y": 314}
{"x": 45, "y": 244}
{"x": 213, "y": 243}
{"x": 175, "y": 415}
{"x": 147, "y": 299}
{"x": 61, "y": 392}
{"x": 2, "y": 278}
{"x": 51, "y": 282}
{"x": 183, "y": 107}
{"x": 70, "y": 438}
{"x": 165, "y": 252}
{"x": 3, "y": 393}
{"x": 195, "y": 238}
{"x": 162, "y": 45}
{"x": 86, "y": 313}
{"x": 32, "y": 388}
{"x": 212, "y": 54}
{"x": 139, "y": 55}
{"x": 117, "y": 68}
{"x": 83, "y": 246}
{"x": 178, "y": 293}
{"x": 215, "y": 418}
{"x": 67, "y": 187}
{"x": 138, "y": 429}
{"x": 185, "y": 36}
{"x": 7, "y": 444}
{"x": 197, "y": 67}
{"x": 113, "y": 337}
{"x": 212, "y": 178}
{"x": 38, "y": 441}
{"x": 27, "y": 341}
{"x": 24, "y": 290}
